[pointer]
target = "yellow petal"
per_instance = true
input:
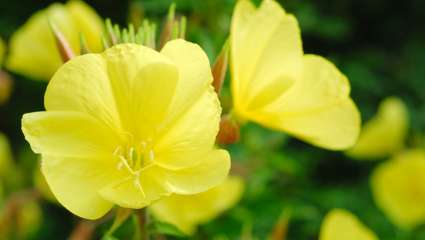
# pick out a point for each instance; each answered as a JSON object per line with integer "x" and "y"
{"x": 123, "y": 65}
{"x": 340, "y": 224}
{"x": 33, "y": 45}
{"x": 154, "y": 88}
{"x": 188, "y": 211}
{"x": 391, "y": 124}
{"x": 88, "y": 23}
{"x": 70, "y": 134}
{"x": 195, "y": 75}
{"x": 192, "y": 136}
{"x": 127, "y": 193}
{"x": 266, "y": 48}
{"x": 75, "y": 181}
{"x": 317, "y": 108}
{"x": 85, "y": 75}
{"x": 113, "y": 77}
{"x": 211, "y": 171}
{"x": 398, "y": 187}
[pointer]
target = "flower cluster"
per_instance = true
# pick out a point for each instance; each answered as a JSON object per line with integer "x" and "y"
{"x": 135, "y": 123}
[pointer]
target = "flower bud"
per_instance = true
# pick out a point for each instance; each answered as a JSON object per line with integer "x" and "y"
{"x": 229, "y": 132}
{"x": 62, "y": 44}
{"x": 220, "y": 67}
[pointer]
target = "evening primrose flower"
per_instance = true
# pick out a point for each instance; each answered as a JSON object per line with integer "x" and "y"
{"x": 188, "y": 211}
{"x": 340, "y": 224}
{"x": 398, "y": 187}
{"x": 127, "y": 127}
{"x": 33, "y": 51}
{"x": 278, "y": 86}
{"x": 2, "y": 51}
{"x": 385, "y": 133}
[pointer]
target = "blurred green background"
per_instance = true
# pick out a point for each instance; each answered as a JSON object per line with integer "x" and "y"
{"x": 379, "y": 45}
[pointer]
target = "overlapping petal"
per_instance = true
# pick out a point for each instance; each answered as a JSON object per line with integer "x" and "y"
{"x": 192, "y": 136}
{"x": 209, "y": 172}
{"x": 266, "y": 48}
{"x": 70, "y": 134}
{"x": 317, "y": 108}
{"x": 114, "y": 78}
{"x": 195, "y": 75}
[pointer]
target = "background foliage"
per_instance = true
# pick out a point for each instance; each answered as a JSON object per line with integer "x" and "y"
{"x": 378, "y": 44}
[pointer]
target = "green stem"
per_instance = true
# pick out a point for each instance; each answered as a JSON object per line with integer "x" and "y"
{"x": 144, "y": 221}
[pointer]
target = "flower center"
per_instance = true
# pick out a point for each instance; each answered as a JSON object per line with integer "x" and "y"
{"x": 134, "y": 158}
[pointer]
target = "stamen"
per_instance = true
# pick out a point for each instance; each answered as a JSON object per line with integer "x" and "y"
{"x": 135, "y": 159}
{"x": 117, "y": 151}
{"x": 137, "y": 183}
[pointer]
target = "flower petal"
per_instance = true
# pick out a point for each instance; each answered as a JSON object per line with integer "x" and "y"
{"x": 341, "y": 224}
{"x": 266, "y": 47}
{"x": 154, "y": 88}
{"x": 105, "y": 85}
{"x": 195, "y": 75}
{"x": 398, "y": 188}
{"x": 33, "y": 45}
{"x": 188, "y": 211}
{"x": 192, "y": 136}
{"x": 124, "y": 62}
{"x": 82, "y": 85}
{"x": 69, "y": 134}
{"x": 88, "y": 23}
{"x": 316, "y": 108}
{"x": 390, "y": 123}
{"x": 75, "y": 181}
{"x": 208, "y": 173}
{"x": 127, "y": 193}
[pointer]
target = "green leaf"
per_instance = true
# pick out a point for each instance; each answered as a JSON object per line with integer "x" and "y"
{"x": 158, "y": 227}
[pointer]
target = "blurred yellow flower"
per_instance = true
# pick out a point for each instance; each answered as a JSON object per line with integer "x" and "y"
{"x": 385, "y": 133}
{"x": 33, "y": 50}
{"x": 188, "y": 211}
{"x": 28, "y": 220}
{"x": 2, "y": 51}
{"x": 276, "y": 85}
{"x": 129, "y": 126}
{"x": 398, "y": 187}
{"x": 6, "y": 162}
{"x": 340, "y": 224}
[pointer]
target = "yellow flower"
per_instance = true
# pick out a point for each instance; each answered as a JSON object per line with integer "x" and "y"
{"x": 385, "y": 133}
{"x": 2, "y": 51}
{"x": 277, "y": 86}
{"x": 340, "y": 224}
{"x": 6, "y": 161}
{"x": 188, "y": 211}
{"x": 33, "y": 50}
{"x": 127, "y": 127}
{"x": 398, "y": 187}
